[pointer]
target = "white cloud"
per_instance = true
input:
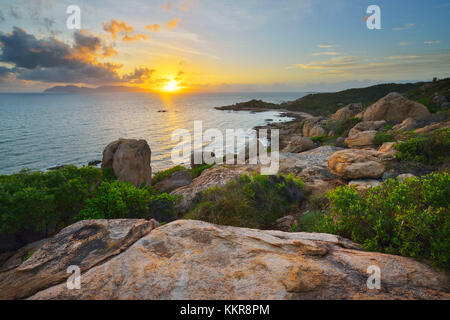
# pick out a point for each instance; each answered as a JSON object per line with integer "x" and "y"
{"x": 432, "y": 42}
{"x": 405, "y": 27}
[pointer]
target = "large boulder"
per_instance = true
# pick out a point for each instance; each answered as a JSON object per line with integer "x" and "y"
{"x": 176, "y": 180}
{"x": 130, "y": 160}
{"x": 84, "y": 244}
{"x": 358, "y": 164}
{"x": 366, "y": 126}
{"x": 313, "y": 127}
{"x": 299, "y": 144}
{"x": 347, "y": 112}
{"x": 189, "y": 259}
{"x": 395, "y": 107}
{"x": 361, "y": 140}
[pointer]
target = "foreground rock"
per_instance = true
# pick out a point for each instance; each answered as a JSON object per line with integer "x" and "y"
{"x": 395, "y": 107}
{"x": 198, "y": 260}
{"x": 218, "y": 175}
{"x": 130, "y": 159}
{"x": 84, "y": 244}
{"x": 176, "y": 180}
{"x": 358, "y": 164}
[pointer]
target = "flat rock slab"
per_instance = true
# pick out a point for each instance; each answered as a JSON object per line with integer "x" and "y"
{"x": 84, "y": 244}
{"x": 189, "y": 259}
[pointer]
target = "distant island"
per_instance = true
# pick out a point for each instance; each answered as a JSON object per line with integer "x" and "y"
{"x": 83, "y": 90}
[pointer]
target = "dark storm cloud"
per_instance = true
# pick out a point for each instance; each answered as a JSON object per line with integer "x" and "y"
{"x": 52, "y": 60}
{"x": 25, "y": 51}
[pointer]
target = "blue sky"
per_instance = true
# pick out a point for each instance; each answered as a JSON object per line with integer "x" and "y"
{"x": 230, "y": 45}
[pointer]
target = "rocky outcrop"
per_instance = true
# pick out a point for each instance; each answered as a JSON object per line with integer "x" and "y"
{"x": 358, "y": 164}
{"x": 176, "y": 180}
{"x": 395, "y": 107}
{"x": 362, "y": 139}
{"x": 347, "y": 112}
{"x": 361, "y": 185}
{"x": 130, "y": 159}
{"x": 313, "y": 127}
{"x": 312, "y": 167}
{"x": 197, "y": 260}
{"x": 407, "y": 125}
{"x": 366, "y": 126}
{"x": 218, "y": 175}
{"x": 299, "y": 144}
{"x": 84, "y": 244}
{"x": 388, "y": 147}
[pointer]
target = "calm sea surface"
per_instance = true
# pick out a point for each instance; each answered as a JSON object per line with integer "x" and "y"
{"x": 38, "y": 131}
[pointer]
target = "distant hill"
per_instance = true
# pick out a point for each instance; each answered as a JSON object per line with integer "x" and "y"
{"x": 83, "y": 90}
{"x": 327, "y": 103}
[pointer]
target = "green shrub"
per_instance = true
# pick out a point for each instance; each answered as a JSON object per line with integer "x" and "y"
{"x": 253, "y": 201}
{"x": 382, "y": 137}
{"x": 161, "y": 175}
{"x": 319, "y": 139}
{"x": 429, "y": 149}
{"x": 410, "y": 218}
{"x": 197, "y": 171}
{"x": 341, "y": 128}
{"x": 36, "y": 205}
{"x": 120, "y": 200}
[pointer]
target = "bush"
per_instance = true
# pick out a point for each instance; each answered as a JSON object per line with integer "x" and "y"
{"x": 37, "y": 205}
{"x": 197, "y": 171}
{"x": 410, "y": 218}
{"x": 382, "y": 137}
{"x": 433, "y": 148}
{"x": 161, "y": 175}
{"x": 253, "y": 201}
{"x": 342, "y": 128}
{"x": 121, "y": 200}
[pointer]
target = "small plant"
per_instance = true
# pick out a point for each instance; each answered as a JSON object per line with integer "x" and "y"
{"x": 197, "y": 171}
{"x": 253, "y": 201}
{"x": 429, "y": 149}
{"x": 28, "y": 255}
{"x": 410, "y": 218}
{"x": 161, "y": 175}
{"x": 382, "y": 137}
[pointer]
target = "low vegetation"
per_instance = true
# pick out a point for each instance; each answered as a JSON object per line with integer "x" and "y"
{"x": 36, "y": 205}
{"x": 425, "y": 94}
{"x": 164, "y": 174}
{"x": 409, "y": 218}
{"x": 433, "y": 148}
{"x": 253, "y": 201}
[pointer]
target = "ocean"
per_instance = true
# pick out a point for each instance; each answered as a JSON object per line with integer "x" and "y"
{"x": 39, "y": 131}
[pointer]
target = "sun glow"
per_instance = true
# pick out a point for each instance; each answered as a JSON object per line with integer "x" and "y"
{"x": 171, "y": 86}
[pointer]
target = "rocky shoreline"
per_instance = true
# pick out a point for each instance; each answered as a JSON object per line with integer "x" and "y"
{"x": 188, "y": 259}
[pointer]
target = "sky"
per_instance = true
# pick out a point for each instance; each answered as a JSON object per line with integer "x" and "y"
{"x": 222, "y": 45}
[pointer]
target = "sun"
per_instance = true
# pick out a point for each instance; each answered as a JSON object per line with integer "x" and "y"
{"x": 171, "y": 86}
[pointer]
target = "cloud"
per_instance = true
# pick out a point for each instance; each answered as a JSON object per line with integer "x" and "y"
{"x": 140, "y": 75}
{"x": 402, "y": 57}
{"x": 326, "y": 53}
{"x": 403, "y": 44}
{"x": 404, "y": 27}
{"x": 51, "y": 60}
{"x": 432, "y": 42}
{"x": 2, "y": 17}
{"x": 136, "y": 37}
{"x": 153, "y": 27}
{"x": 15, "y": 12}
{"x": 172, "y": 24}
{"x": 116, "y": 27}
{"x": 397, "y": 64}
{"x": 325, "y": 46}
